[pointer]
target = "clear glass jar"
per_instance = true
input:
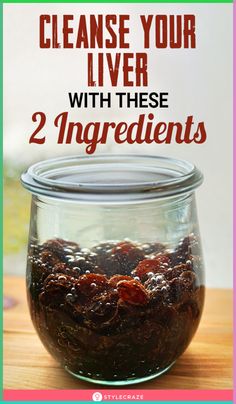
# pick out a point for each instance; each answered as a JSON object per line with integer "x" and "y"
{"x": 115, "y": 275}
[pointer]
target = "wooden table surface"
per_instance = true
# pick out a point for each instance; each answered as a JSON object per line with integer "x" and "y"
{"x": 207, "y": 363}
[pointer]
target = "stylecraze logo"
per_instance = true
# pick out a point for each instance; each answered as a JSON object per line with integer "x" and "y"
{"x": 97, "y": 396}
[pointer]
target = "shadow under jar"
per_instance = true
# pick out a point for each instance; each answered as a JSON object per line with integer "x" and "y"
{"x": 115, "y": 275}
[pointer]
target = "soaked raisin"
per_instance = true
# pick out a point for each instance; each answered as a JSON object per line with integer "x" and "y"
{"x": 132, "y": 292}
{"x": 65, "y": 269}
{"x": 127, "y": 256}
{"x": 176, "y": 271}
{"x": 55, "y": 250}
{"x": 55, "y": 288}
{"x": 116, "y": 278}
{"x": 118, "y": 258}
{"x": 102, "y": 310}
{"x": 91, "y": 284}
{"x": 177, "y": 291}
{"x": 152, "y": 266}
{"x": 118, "y": 308}
{"x": 49, "y": 258}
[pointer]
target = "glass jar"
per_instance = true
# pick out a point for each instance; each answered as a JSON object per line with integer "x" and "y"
{"x": 115, "y": 275}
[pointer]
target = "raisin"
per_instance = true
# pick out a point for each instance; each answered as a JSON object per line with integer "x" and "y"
{"x": 127, "y": 248}
{"x": 127, "y": 255}
{"x": 103, "y": 258}
{"x": 55, "y": 249}
{"x": 55, "y": 288}
{"x": 59, "y": 246}
{"x": 181, "y": 288}
{"x": 163, "y": 259}
{"x": 91, "y": 284}
{"x": 155, "y": 282}
{"x": 37, "y": 270}
{"x": 158, "y": 288}
{"x": 103, "y": 309}
{"x": 157, "y": 265}
{"x": 65, "y": 269}
{"x": 116, "y": 278}
{"x": 118, "y": 308}
{"x": 68, "y": 244}
{"x": 58, "y": 280}
{"x": 118, "y": 258}
{"x": 49, "y": 258}
{"x": 175, "y": 272}
{"x": 178, "y": 292}
{"x": 132, "y": 292}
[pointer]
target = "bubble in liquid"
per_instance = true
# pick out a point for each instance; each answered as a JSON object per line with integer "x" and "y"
{"x": 62, "y": 278}
{"x": 79, "y": 258}
{"x": 70, "y": 298}
{"x": 70, "y": 258}
{"x": 77, "y": 269}
{"x": 68, "y": 250}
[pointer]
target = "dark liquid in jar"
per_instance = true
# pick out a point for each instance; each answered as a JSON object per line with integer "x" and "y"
{"x": 117, "y": 311}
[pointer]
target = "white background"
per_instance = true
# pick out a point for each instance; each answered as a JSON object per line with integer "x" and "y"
{"x": 199, "y": 82}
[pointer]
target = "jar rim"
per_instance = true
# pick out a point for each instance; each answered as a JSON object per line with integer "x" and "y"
{"x": 111, "y": 177}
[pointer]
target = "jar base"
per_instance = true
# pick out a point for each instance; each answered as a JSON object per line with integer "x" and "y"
{"x": 120, "y": 382}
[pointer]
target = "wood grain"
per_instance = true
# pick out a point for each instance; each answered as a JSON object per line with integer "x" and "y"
{"x": 207, "y": 363}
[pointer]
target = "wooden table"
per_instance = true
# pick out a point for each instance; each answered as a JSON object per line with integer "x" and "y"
{"x": 207, "y": 363}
